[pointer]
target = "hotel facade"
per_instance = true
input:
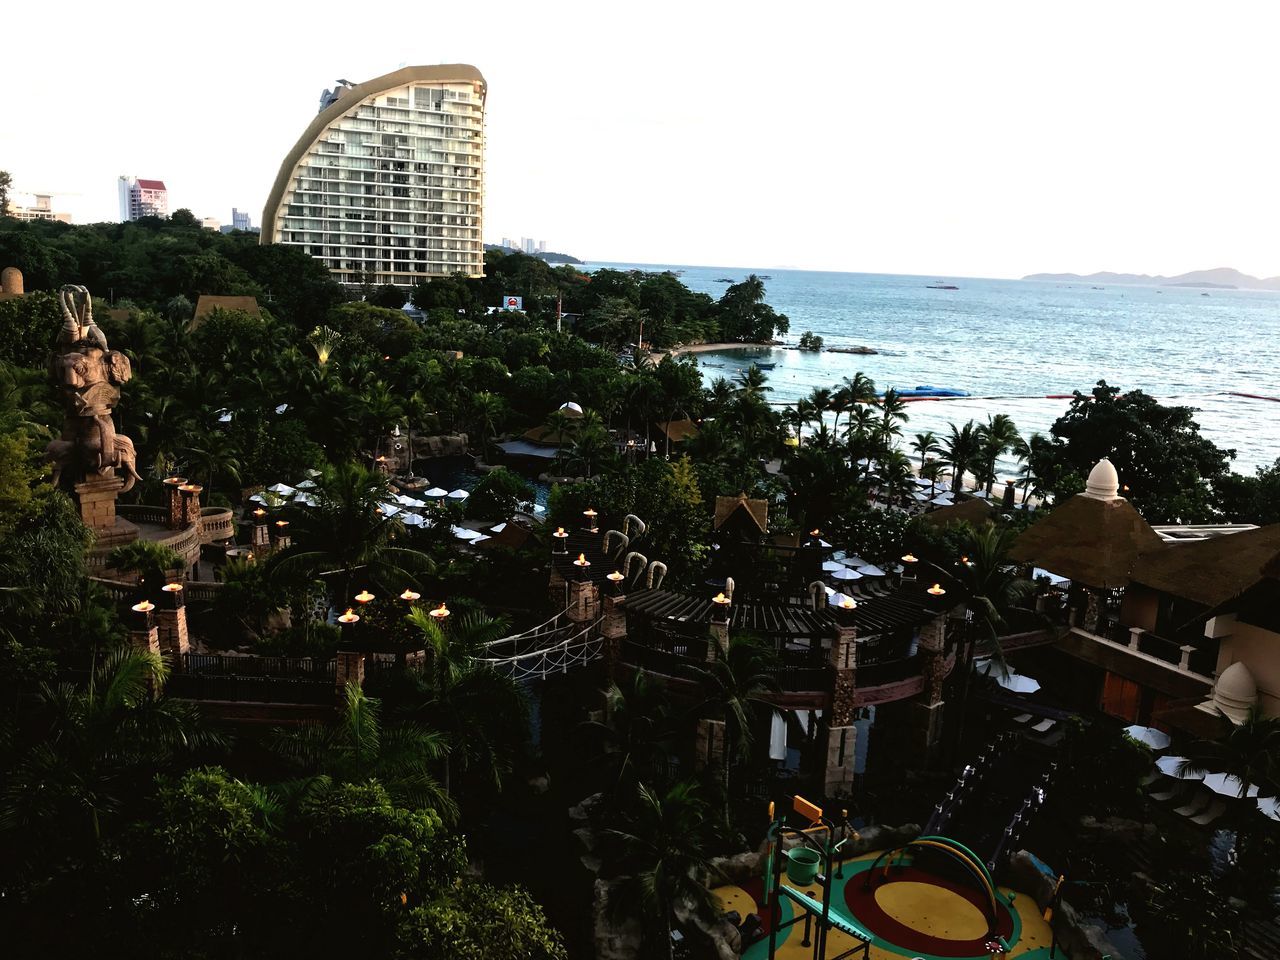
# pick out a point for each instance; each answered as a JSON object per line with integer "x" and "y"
{"x": 386, "y": 185}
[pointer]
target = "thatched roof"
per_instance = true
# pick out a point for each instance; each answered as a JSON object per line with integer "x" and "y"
{"x": 1212, "y": 571}
{"x": 1091, "y": 541}
{"x": 513, "y": 536}
{"x": 756, "y": 510}
{"x": 209, "y": 303}
{"x": 545, "y": 435}
{"x": 678, "y": 430}
{"x": 970, "y": 511}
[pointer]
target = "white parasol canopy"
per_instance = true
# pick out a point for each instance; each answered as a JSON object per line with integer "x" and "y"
{"x": 1007, "y": 678}
{"x": 1148, "y": 736}
{"x": 458, "y": 494}
{"x": 1172, "y": 766}
{"x": 871, "y": 570}
{"x": 280, "y": 488}
{"x": 412, "y": 520}
{"x": 844, "y": 573}
{"x": 1229, "y": 785}
{"x": 435, "y": 492}
{"x": 831, "y": 566}
{"x": 1270, "y": 807}
{"x": 407, "y": 501}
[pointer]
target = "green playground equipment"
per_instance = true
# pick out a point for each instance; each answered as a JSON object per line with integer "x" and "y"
{"x": 809, "y": 862}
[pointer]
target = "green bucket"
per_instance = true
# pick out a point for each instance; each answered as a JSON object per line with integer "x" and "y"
{"x": 802, "y": 865}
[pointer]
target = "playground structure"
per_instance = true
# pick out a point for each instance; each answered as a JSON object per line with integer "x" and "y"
{"x": 930, "y": 897}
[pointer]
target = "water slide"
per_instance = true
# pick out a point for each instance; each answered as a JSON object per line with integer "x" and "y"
{"x": 841, "y": 921}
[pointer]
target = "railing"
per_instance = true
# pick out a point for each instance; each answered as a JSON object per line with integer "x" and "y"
{"x": 217, "y": 523}
{"x": 211, "y": 664}
{"x": 678, "y": 663}
{"x": 888, "y": 671}
{"x": 143, "y": 513}
{"x": 251, "y": 689}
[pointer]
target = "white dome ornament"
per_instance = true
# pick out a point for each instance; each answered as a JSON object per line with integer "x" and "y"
{"x": 1236, "y": 692}
{"x": 571, "y": 409}
{"x": 1103, "y": 482}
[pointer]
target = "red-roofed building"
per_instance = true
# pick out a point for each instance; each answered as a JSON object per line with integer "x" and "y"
{"x": 142, "y": 198}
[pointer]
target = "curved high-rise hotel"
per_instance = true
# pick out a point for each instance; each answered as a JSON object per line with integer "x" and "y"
{"x": 387, "y": 183}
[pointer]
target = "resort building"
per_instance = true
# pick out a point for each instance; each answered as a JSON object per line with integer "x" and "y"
{"x": 37, "y": 206}
{"x": 142, "y": 198}
{"x": 386, "y": 184}
{"x": 1174, "y": 627}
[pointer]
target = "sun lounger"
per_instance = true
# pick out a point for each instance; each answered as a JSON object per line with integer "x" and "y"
{"x": 1199, "y": 800}
{"x": 1212, "y": 813}
{"x": 1170, "y": 790}
{"x": 1022, "y": 718}
{"x": 1044, "y": 726}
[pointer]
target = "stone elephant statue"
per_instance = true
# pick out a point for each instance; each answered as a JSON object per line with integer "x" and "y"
{"x": 99, "y": 450}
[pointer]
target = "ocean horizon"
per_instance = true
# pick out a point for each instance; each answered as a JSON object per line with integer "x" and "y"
{"x": 1018, "y": 346}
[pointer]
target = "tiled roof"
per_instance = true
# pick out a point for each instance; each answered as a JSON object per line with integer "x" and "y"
{"x": 151, "y": 184}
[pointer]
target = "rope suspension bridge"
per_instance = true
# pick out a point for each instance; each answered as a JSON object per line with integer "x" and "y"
{"x": 551, "y": 647}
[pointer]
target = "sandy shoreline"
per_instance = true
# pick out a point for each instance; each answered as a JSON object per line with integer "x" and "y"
{"x": 709, "y": 347}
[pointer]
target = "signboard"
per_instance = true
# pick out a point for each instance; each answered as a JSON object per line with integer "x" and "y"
{"x": 513, "y": 303}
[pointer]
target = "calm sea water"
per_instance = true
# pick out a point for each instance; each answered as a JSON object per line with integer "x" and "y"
{"x": 1012, "y": 343}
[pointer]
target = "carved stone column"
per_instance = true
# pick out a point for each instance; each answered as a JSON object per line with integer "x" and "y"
{"x": 348, "y": 668}
{"x": 189, "y": 509}
{"x": 584, "y": 601}
{"x": 613, "y": 629}
{"x": 173, "y": 502}
{"x": 171, "y": 624}
{"x": 840, "y": 736}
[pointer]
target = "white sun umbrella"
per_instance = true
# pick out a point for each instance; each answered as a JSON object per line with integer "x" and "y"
{"x": 307, "y": 485}
{"x": 498, "y": 529}
{"x": 871, "y": 570}
{"x": 435, "y": 492}
{"x": 259, "y": 498}
{"x": 1172, "y": 766}
{"x": 943, "y": 500}
{"x": 920, "y": 495}
{"x": 389, "y": 508}
{"x": 854, "y": 561}
{"x": 305, "y": 499}
{"x": 1270, "y": 807}
{"x": 1148, "y": 736}
{"x": 311, "y": 472}
{"x": 1008, "y": 679}
{"x": 407, "y": 501}
{"x": 282, "y": 408}
{"x": 1229, "y": 785}
{"x": 458, "y": 494}
{"x": 830, "y": 566}
{"x": 280, "y": 488}
{"x": 539, "y": 508}
{"x": 844, "y": 573}
{"x": 980, "y": 494}
{"x": 921, "y": 481}
{"x": 412, "y": 519}
{"x": 822, "y": 543}
{"x": 839, "y": 555}
{"x": 834, "y": 599}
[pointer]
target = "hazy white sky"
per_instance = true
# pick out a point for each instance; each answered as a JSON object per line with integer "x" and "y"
{"x": 958, "y": 138}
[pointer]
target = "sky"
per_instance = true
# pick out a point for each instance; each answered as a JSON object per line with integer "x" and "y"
{"x": 952, "y": 139}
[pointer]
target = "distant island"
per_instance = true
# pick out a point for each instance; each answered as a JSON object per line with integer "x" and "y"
{"x": 546, "y": 255}
{"x": 1220, "y": 278}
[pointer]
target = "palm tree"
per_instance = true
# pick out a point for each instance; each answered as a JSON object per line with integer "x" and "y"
{"x": 661, "y": 846}
{"x": 636, "y": 730}
{"x": 925, "y": 444}
{"x": 1249, "y": 751}
{"x": 482, "y": 714}
{"x": 357, "y": 747}
{"x": 732, "y": 688}
{"x": 895, "y": 475}
{"x": 752, "y": 382}
{"x": 995, "y": 436}
{"x": 990, "y": 586}
{"x": 487, "y": 412}
{"x": 959, "y": 451}
{"x": 820, "y": 401}
{"x": 343, "y": 533}
{"x": 87, "y": 747}
{"x": 931, "y": 470}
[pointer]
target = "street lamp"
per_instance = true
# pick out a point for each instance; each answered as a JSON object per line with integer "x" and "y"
{"x": 591, "y": 515}
{"x": 615, "y": 579}
{"x": 440, "y": 613}
{"x": 409, "y": 596}
{"x": 348, "y": 618}
{"x": 363, "y": 597}
{"x": 909, "y": 562}
{"x": 562, "y": 540}
{"x": 721, "y": 609}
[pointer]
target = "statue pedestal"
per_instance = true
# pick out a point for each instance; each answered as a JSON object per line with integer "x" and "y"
{"x": 97, "y": 500}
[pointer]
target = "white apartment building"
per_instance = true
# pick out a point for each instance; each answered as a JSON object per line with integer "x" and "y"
{"x": 386, "y": 185}
{"x": 142, "y": 198}
{"x": 36, "y": 206}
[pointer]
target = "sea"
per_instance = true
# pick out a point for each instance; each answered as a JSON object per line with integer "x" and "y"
{"x": 1018, "y": 346}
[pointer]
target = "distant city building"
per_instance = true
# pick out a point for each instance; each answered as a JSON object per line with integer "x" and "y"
{"x": 386, "y": 185}
{"x": 211, "y": 223}
{"x": 508, "y": 243}
{"x": 542, "y": 246}
{"x": 142, "y": 198}
{"x": 240, "y": 220}
{"x": 36, "y": 206}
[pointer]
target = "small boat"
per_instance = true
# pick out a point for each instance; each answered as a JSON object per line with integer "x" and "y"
{"x": 765, "y": 366}
{"x": 925, "y": 390}
{"x": 939, "y": 285}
